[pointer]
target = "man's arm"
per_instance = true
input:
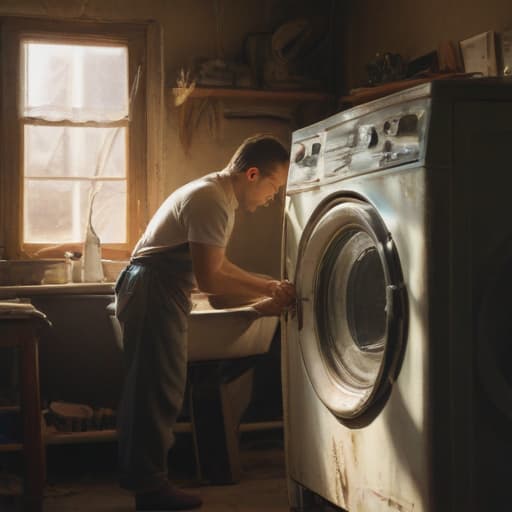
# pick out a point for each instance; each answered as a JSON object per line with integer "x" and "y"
{"x": 216, "y": 275}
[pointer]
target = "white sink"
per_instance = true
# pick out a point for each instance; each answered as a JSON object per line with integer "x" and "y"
{"x": 227, "y": 333}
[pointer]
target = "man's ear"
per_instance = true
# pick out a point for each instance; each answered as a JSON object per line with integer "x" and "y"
{"x": 252, "y": 173}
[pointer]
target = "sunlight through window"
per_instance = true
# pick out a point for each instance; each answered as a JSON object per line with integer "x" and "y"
{"x": 75, "y": 115}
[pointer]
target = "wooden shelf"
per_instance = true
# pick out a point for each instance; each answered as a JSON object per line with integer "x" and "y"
{"x": 11, "y": 447}
{"x": 256, "y": 94}
{"x": 365, "y": 94}
{"x": 91, "y": 436}
{"x": 10, "y": 408}
{"x": 95, "y": 436}
{"x": 54, "y": 437}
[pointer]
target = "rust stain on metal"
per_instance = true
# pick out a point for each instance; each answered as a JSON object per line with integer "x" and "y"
{"x": 393, "y": 503}
{"x": 354, "y": 447}
{"x": 341, "y": 476}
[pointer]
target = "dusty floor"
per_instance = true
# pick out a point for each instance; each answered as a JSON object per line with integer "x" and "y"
{"x": 82, "y": 478}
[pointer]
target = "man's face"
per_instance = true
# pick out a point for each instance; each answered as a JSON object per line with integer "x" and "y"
{"x": 261, "y": 190}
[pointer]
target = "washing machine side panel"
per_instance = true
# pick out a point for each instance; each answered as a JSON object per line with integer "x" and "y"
{"x": 482, "y": 243}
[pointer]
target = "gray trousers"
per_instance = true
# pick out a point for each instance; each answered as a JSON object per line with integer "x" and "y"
{"x": 154, "y": 320}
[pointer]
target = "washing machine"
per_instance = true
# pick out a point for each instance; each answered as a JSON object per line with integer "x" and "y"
{"x": 397, "y": 360}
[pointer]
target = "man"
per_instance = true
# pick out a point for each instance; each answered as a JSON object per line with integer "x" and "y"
{"x": 183, "y": 247}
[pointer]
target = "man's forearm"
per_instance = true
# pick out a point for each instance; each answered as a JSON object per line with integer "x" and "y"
{"x": 229, "y": 266}
{"x": 231, "y": 279}
{"x": 217, "y": 275}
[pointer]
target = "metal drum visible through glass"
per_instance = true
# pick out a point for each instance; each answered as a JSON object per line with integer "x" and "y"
{"x": 351, "y": 312}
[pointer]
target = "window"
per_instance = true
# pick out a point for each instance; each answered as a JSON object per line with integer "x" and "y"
{"x": 75, "y": 102}
{"x": 75, "y": 111}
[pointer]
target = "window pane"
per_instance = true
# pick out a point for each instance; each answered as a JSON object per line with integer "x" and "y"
{"x": 75, "y": 82}
{"x": 57, "y": 151}
{"x": 56, "y": 211}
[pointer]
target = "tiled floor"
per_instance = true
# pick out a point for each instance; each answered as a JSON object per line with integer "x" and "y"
{"x": 83, "y": 479}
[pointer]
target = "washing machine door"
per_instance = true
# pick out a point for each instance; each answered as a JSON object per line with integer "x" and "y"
{"x": 351, "y": 308}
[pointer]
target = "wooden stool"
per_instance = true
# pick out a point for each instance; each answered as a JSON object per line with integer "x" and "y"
{"x": 18, "y": 328}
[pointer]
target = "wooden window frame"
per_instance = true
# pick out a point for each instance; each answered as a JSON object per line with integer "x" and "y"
{"x": 144, "y": 131}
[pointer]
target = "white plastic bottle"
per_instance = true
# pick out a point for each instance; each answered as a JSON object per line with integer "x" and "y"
{"x": 92, "y": 267}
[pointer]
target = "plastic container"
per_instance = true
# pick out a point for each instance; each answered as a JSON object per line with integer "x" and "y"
{"x": 92, "y": 266}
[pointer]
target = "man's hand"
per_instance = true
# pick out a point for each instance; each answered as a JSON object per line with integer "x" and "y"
{"x": 268, "y": 307}
{"x": 283, "y": 292}
{"x": 282, "y": 297}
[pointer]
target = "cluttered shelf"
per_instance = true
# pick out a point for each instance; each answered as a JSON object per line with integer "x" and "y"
{"x": 365, "y": 94}
{"x": 250, "y": 94}
{"x": 357, "y": 96}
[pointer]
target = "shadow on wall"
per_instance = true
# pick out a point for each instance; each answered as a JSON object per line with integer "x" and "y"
{"x": 256, "y": 240}
{"x": 255, "y": 244}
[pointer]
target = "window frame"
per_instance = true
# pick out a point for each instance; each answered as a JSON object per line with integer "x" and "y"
{"x": 142, "y": 158}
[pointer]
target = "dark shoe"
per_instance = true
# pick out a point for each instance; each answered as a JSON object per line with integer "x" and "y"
{"x": 168, "y": 498}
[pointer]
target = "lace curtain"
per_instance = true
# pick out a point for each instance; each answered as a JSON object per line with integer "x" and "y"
{"x": 77, "y": 83}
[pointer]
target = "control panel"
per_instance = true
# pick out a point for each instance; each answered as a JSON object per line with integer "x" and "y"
{"x": 377, "y": 140}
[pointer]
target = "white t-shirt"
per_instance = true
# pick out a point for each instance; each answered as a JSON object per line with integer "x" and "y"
{"x": 201, "y": 211}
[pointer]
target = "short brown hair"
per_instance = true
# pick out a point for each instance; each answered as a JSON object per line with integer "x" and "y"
{"x": 261, "y": 151}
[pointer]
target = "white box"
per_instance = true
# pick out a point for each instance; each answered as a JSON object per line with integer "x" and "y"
{"x": 479, "y": 54}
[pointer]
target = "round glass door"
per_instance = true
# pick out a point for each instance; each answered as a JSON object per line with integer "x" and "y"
{"x": 352, "y": 306}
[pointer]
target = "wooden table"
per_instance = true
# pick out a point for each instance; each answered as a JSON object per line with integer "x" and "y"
{"x": 18, "y": 329}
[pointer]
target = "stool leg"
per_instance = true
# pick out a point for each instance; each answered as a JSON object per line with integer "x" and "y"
{"x": 32, "y": 433}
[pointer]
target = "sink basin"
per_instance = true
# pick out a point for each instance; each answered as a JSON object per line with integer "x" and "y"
{"x": 33, "y": 272}
{"x": 217, "y": 334}
{"x": 228, "y": 333}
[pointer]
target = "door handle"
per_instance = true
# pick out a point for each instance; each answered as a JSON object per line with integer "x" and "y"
{"x": 298, "y": 309}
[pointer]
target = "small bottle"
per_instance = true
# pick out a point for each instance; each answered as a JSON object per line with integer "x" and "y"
{"x": 73, "y": 259}
{"x": 76, "y": 267}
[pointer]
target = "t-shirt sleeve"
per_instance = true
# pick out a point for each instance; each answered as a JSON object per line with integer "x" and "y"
{"x": 205, "y": 218}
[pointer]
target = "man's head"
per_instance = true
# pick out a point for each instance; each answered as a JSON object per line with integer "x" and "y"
{"x": 259, "y": 169}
